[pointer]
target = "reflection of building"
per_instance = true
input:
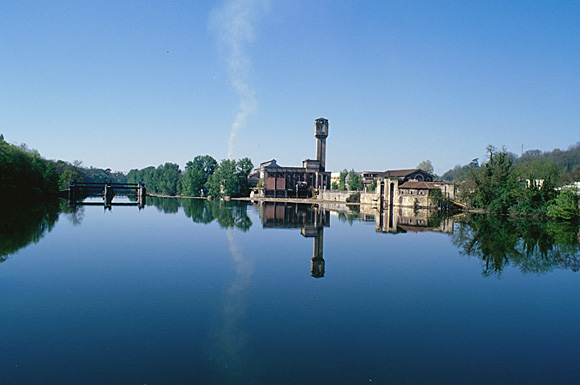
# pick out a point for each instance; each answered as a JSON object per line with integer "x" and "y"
{"x": 281, "y": 181}
{"x": 310, "y": 221}
{"x": 402, "y": 219}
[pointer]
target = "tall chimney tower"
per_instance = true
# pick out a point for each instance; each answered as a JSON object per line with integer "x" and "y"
{"x": 321, "y": 132}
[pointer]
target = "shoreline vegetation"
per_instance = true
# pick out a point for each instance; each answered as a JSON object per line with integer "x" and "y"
{"x": 530, "y": 186}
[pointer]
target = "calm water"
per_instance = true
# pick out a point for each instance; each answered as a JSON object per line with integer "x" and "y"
{"x": 227, "y": 293}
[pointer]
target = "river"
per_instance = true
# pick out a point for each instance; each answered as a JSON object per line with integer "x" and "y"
{"x": 196, "y": 292}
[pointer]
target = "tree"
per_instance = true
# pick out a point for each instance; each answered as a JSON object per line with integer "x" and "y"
{"x": 196, "y": 175}
{"x": 495, "y": 184}
{"x": 25, "y": 175}
{"x": 355, "y": 181}
{"x": 342, "y": 180}
{"x": 230, "y": 178}
{"x": 165, "y": 179}
{"x": 426, "y": 166}
{"x": 243, "y": 168}
{"x": 565, "y": 206}
{"x": 224, "y": 181}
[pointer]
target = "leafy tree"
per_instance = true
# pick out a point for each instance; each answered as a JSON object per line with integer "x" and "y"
{"x": 25, "y": 175}
{"x": 460, "y": 173}
{"x": 372, "y": 186}
{"x": 342, "y": 180}
{"x": 426, "y": 166}
{"x": 495, "y": 184}
{"x": 565, "y": 206}
{"x": 243, "y": 168}
{"x": 224, "y": 181}
{"x": 355, "y": 181}
{"x": 196, "y": 174}
{"x": 230, "y": 178}
{"x": 165, "y": 179}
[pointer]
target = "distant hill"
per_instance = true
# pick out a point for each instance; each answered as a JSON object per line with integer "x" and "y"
{"x": 564, "y": 166}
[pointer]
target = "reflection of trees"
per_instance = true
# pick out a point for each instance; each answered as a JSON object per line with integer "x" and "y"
{"x": 350, "y": 217}
{"x": 74, "y": 213}
{"x": 533, "y": 245}
{"x": 165, "y": 205}
{"x": 22, "y": 225}
{"x": 227, "y": 214}
{"x": 198, "y": 211}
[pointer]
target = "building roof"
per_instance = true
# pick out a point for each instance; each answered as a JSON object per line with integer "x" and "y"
{"x": 269, "y": 163}
{"x": 420, "y": 185}
{"x": 401, "y": 173}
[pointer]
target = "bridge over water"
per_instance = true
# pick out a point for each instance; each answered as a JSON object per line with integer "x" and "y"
{"x": 78, "y": 191}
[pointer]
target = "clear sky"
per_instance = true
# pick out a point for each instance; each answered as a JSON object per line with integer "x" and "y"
{"x": 129, "y": 84}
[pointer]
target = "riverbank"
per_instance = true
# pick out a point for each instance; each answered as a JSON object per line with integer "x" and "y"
{"x": 307, "y": 201}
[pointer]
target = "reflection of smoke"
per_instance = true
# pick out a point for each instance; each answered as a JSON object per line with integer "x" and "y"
{"x": 231, "y": 338}
{"x": 234, "y": 24}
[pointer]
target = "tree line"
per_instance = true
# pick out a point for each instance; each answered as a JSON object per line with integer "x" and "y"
{"x": 562, "y": 166}
{"x": 26, "y": 176}
{"x": 203, "y": 176}
{"x": 503, "y": 186}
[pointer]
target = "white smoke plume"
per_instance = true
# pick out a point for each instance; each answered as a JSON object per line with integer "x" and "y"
{"x": 234, "y": 22}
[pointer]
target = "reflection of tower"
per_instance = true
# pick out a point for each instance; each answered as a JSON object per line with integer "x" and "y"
{"x": 315, "y": 229}
{"x": 311, "y": 222}
{"x": 317, "y": 262}
{"x": 321, "y": 133}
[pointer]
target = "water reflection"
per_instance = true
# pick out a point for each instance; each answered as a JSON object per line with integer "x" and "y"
{"x": 310, "y": 220}
{"x": 23, "y": 225}
{"x": 532, "y": 245}
{"x": 226, "y": 214}
{"x": 231, "y": 336}
{"x": 406, "y": 219}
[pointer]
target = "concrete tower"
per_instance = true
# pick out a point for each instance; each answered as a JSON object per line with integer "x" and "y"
{"x": 321, "y": 132}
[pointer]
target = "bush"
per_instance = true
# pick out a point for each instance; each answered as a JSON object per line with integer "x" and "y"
{"x": 353, "y": 198}
{"x": 565, "y": 206}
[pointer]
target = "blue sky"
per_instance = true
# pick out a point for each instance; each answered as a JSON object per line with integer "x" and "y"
{"x": 129, "y": 84}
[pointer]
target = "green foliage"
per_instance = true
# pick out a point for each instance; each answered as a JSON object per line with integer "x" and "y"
{"x": 25, "y": 175}
{"x": 165, "y": 179}
{"x": 372, "y": 186}
{"x": 68, "y": 172}
{"x": 565, "y": 206}
{"x": 196, "y": 175}
{"x": 244, "y": 168}
{"x": 342, "y": 180}
{"x": 230, "y": 178}
{"x": 353, "y": 198}
{"x": 354, "y": 181}
{"x": 495, "y": 184}
{"x": 460, "y": 173}
{"x": 500, "y": 187}
{"x": 562, "y": 166}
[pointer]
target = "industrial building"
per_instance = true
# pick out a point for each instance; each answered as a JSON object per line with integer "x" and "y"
{"x": 281, "y": 182}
